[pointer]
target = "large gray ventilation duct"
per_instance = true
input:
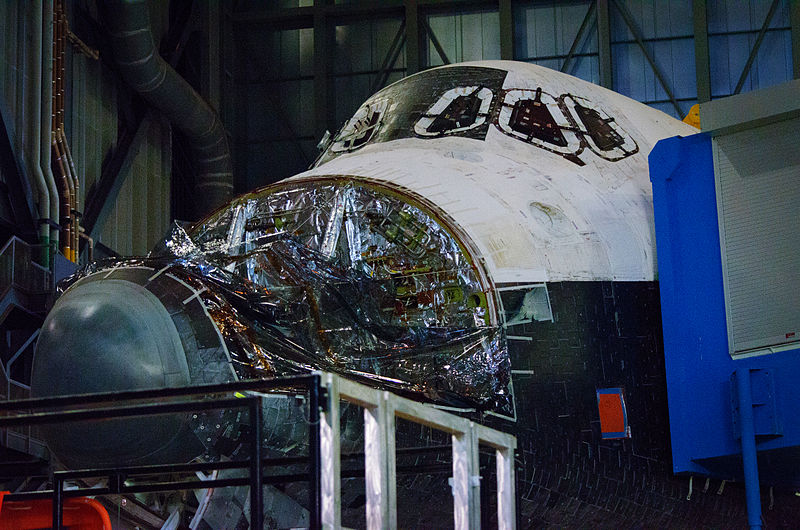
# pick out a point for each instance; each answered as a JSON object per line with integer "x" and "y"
{"x": 141, "y": 66}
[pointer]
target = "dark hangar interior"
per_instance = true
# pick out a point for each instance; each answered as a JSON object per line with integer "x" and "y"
{"x": 128, "y": 128}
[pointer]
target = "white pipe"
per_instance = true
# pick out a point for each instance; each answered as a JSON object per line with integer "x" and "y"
{"x": 46, "y": 142}
{"x": 34, "y": 118}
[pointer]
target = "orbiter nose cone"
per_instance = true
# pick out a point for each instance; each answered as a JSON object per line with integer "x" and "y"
{"x": 105, "y": 336}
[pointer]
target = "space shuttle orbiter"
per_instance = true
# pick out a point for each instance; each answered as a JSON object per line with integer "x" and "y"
{"x": 479, "y": 236}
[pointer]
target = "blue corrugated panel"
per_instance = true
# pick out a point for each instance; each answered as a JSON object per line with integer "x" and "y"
{"x": 733, "y": 27}
{"x": 667, "y": 32}
{"x": 464, "y": 37}
{"x": 698, "y": 365}
{"x": 544, "y": 32}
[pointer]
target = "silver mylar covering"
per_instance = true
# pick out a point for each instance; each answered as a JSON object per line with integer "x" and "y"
{"x": 343, "y": 276}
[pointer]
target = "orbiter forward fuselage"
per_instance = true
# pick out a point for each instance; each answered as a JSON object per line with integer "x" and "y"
{"x": 479, "y": 236}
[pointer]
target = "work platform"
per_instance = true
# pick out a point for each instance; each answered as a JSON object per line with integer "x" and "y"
{"x": 322, "y": 469}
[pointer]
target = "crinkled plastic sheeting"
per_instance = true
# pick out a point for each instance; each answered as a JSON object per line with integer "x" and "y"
{"x": 346, "y": 278}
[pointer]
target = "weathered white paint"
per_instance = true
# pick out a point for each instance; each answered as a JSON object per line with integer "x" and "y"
{"x": 532, "y": 215}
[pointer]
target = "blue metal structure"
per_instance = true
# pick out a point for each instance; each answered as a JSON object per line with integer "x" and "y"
{"x": 719, "y": 407}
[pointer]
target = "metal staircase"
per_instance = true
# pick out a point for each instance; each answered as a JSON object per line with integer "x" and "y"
{"x": 24, "y": 290}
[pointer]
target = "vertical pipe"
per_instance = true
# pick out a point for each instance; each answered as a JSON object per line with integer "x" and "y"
{"x": 76, "y": 198}
{"x": 47, "y": 117}
{"x": 65, "y": 164}
{"x": 62, "y": 57}
{"x": 256, "y": 466}
{"x": 749, "y": 456}
{"x": 315, "y": 456}
{"x": 66, "y": 202}
{"x": 71, "y": 238}
{"x": 33, "y": 119}
{"x": 56, "y": 67}
{"x": 70, "y": 234}
{"x": 64, "y": 179}
{"x": 58, "y": 74}
{"x": 89, "y": 241}
{"x": 58, "y": 126}
{"x": 58, "y": 500}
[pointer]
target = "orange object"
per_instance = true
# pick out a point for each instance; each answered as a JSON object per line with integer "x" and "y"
{"x": 81, "y": 513}
{"x": 693, "y": 118}
{"x": 613, "y": 416}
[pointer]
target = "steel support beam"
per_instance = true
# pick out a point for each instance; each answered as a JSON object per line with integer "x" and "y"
{"x": 103, "y": 195}
{"x": 19, "y": 192}
{"x": 260, "y": 61}
{"x": 413, "y": 40}
{"x": 754, "y": 52}
{"x": 174, "y": 44}
{"x": 578, "y": 37}
{"x": 604, "y": 43}
{"x": 506, "y": 14}
{"x": 794, "y": 19}
{"x": 323, "y": 44}
{"x": 701, "y": 55}
{"x": 211, "y": 68}
{"x": 228, "y": 98}
{"x": 637, "y": 34}
{"x": 392, "y": 54}
{"x": 436, "y": 44}
{"x": 303, "y": 17}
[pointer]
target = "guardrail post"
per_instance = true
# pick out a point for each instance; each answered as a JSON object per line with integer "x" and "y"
{"x": 380, "y": 464}
{"x": 314, "y": 453}
{"x": 466, "y": 480}
{"x": 331, "y": 454}
{"x": 13, "y": 258}
{"x": 506, "y": 496}
{"x": 58, "y": 500}
{"x": 256, "y": 466}
{"x": 324, "y": 454}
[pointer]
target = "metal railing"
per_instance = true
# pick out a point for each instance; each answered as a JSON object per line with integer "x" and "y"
{"x": 19, "y": 272}
{"x": 323, "y": 460}
{"x": 381, "y": 408}
{"x": 80, "y": 408}
{"x": 18, "y": 269}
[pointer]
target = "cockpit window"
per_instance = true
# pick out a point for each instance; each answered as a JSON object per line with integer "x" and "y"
{"x": 354, "y": 231}
{"x": 348, "y": 276}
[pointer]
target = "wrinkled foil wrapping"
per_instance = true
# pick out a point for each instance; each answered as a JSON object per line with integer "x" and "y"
{"x": 348, "y": 279}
